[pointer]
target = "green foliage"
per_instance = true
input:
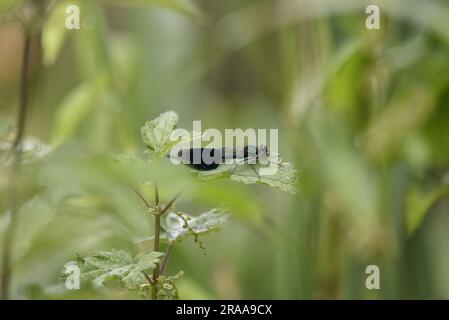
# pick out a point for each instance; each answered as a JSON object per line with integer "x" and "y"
{"x": 284, "y": 178}
{"x": 54, "y": 33}
{"x": 364, "y": 113}
{"x": 178, "y": 225}
{"x": 75, "y": 107}
{"x": 182, "y": 6}
{"x": 118, "y": 265}
{"x": 156, "y": 134}
{"x": 167, "y": 287}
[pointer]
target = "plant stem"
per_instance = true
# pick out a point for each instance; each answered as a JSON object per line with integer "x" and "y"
{"x": 5, "y": 277}
{"x": 157, "y": 228}
{"x": 170, "y": 204}
{"x": 147, "y": 205}
{"x": 150, "y": 281}
{"x": 157, "y": 235}
{"x": 156, "y": 194}
{"x": 167, "y": 255}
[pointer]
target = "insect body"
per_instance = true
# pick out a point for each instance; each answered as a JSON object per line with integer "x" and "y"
{"x": 208, "y": 159}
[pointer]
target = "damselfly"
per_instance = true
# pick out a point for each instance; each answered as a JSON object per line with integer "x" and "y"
{"x": 209, "y": 159}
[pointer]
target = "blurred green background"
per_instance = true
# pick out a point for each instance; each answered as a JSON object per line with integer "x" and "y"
{"x": 362, "y": 113}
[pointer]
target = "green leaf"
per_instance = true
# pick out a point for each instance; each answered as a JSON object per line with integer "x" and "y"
{"x": 178, "y": 225}
{"x": 91, "y": 46}
{"x": 54, "y": 33}
{"x": 74, "y": 108}
{"x": 156, "y": 134}
{"x": 106, "y": 266}
{"x": 186, "y": 7}
{"x": 284, "y": 178}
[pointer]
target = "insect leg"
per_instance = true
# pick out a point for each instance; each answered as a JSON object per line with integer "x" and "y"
{"x": 255, "y": 171}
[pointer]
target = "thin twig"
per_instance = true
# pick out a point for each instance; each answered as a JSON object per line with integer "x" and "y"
{"x": 157, "y": 228}
{"x": 148, "y": 278}
{"x": 147, "y": 204}
{"x": 167, "y": 255}
{"x": 156, "y": 194}
{"x": 170, "y": 203}
{"x": 157, "y": 233}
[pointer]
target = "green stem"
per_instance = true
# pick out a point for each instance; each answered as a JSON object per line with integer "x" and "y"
{"x": 157, "y": 235}
{"x": 167, "y": 255}
{"x": 157, "y": 229}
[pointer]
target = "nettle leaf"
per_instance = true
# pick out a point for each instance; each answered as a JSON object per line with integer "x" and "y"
{"x": 179, "y": 225}
{"x": 160, "y": 136}
{"x": 284, "y": 177}
{"x": 118, "y": 265}
{"x": 157, "y": 132}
